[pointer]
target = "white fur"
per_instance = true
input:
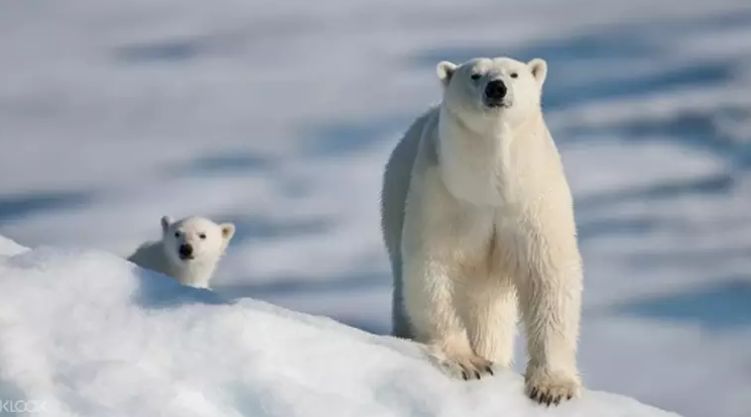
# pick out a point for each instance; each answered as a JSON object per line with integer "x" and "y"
{"x": 477, "y": 214}
{"x": 208, "y": 240}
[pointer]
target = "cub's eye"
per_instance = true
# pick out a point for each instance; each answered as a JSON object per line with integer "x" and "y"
{"x": 475, "y": 76}
{"x": 202, "y": 235}
{"x": 177, "y": 234}
{"x": 514, "y": 75}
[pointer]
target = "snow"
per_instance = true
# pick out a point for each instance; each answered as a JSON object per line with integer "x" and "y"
{"x": 9, "y": 248}
{"x": 279, "y": 116}
{"x": 85, "y": 333}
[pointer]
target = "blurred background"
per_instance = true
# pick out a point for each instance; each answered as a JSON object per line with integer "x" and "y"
{"x": 279, "y": 116}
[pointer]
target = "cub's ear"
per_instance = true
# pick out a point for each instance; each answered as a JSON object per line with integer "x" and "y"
{"x": 445, "y": 71}
{"x": 539, "y": 69}
{"x": 166, "y": 223}
{"x": 228, "y": 230}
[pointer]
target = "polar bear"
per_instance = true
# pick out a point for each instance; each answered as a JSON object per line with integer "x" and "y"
{"x": 188, "y": 251}
{"x": 477, "y": 215}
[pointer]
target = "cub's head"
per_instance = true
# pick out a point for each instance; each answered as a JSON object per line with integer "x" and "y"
{"x": 195, "y": 239}
{"x": 484, "y": 89}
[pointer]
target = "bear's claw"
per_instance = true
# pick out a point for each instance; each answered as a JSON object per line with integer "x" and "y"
{"x": 548, "y": 387}
{"x": 465, "y": 366}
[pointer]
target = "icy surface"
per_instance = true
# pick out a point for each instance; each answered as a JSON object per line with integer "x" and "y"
{"x": 84, "y": 333}
{"x": 279, "y": 116}
{"x": 9, "y": 247}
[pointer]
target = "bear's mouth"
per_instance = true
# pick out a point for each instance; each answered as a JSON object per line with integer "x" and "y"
{"x": 184, "y": 257}
{"x": 497, "y": 103}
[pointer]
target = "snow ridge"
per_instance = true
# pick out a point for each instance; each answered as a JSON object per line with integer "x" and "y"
{"x": 85, "y": 333}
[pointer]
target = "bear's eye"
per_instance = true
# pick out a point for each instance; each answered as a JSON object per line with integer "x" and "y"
{"x": 475, "y": 76}
{"x": 514, "y": 75}
{"x": 202, "y": 235}
{"x": 177, "y": 234}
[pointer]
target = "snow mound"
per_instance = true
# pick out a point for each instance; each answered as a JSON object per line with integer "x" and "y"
{"x": 9, "y": 247}
{"x": 84, "y": 333}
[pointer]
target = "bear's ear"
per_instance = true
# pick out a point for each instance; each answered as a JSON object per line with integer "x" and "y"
{"x": 228, "y": 230}
{"x": 445, "y": 71}
{"x": 539, "y": 69}
{"x": 166, "y": 222}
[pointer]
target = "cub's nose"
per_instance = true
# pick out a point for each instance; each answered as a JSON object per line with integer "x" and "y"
{"x": 495, "y": 90}
{"x": 185, "y": 250}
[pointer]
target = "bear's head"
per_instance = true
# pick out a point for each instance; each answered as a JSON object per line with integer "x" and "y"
{"x": 483, "y": 89}
{"x": 195, "y": 240}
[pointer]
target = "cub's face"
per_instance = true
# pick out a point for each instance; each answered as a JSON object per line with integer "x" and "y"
{"x": 195, "y": 239}
{"x": 484, "y": 89}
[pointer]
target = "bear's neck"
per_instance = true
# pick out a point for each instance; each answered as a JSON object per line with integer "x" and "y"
{"x": 194, "y": 274}
{"x": 482, "y": 167}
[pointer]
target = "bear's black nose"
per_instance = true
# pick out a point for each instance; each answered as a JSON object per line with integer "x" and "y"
{"x": 495, "y": 90}
{"x": 185, "y": 250}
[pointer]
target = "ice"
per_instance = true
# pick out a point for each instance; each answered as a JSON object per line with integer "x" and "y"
{"x": 85, "y": 333}
{"x": 9, "y": 247}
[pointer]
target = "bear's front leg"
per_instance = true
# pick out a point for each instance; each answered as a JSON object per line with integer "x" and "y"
{"x": 443, "y": 241}
{"x": 434, "y": 320}
{"x": 489, "y": 312}
{"x": 550, "y": 300}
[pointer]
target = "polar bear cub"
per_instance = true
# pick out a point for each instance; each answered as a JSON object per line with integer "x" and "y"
{"x": 477, "y": 217}
{"x": 188, "y": 251}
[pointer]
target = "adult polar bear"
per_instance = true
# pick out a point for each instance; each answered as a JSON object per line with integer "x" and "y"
{"x": 476, "y": 212}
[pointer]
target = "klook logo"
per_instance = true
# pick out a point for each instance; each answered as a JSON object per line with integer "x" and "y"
{"x": 22, "y": 406}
